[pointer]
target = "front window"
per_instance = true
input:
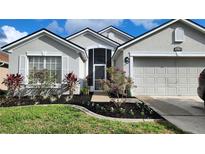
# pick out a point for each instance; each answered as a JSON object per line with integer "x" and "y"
{"x": 50, "y": 63}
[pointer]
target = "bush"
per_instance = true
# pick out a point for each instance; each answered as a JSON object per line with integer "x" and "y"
{"x": 117, "y": 84}
{"x": 84, "y": 91}
{"x": 13, "y": 83}
{"x": 41, "y": 81}
{"x": 71, "y": 81}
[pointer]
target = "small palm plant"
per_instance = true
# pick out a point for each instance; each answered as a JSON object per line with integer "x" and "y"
{"x": 71, "y": 81}
{"x": 13, "y": 83}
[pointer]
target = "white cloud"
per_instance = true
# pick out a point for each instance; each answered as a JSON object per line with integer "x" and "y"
{"x": 54, "y": 27}
{"x": 10, "y": 34}
{"x": 146, "y": 23}
{"x": 74, "y": 25}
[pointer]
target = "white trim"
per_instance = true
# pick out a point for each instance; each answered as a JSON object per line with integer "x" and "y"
{"x": 131, "y": 66}
{"x": 99, "y": 46}
{"x": 113, "y": 28}
{"x": 94, "y": 74}
{"x": 94, "y": 33}
{"x": 161, "y": 27}
{"x": 170, "y": 54}
{"x": 42, "y": 53}
{"x": 63, "y": 68}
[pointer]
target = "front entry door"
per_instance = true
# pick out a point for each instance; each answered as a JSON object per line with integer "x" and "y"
{"x": 99, "y": 74}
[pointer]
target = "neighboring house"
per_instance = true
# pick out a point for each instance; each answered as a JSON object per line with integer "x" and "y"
{"x": 164, "y": 61}
{"x": 4, "y": 58}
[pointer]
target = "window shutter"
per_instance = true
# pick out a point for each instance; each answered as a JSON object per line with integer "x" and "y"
{"x": 179, "y": 35}
{"x": 65, "y": 66}
{"x": 109, "y": 60}
{"x": 90, "y": 68}
{"x": 23, "y": 67}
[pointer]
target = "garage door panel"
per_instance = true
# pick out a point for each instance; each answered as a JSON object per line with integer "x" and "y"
{"x": 160, "y": 70}
{"x": 182, "y": 80}
{"x": 171, "y": 70}
{"x": 182, "y": 91}
{"x": 149, "y": 70}
{"x": 159, "y": 80}
{"x": 161, "y": 91}
{"x": 149, "y": 80}
{"x": 138, "y": 70}
{"x": 193, "y": 80}
{"x": 167, "y": 76}
{"x": 138, "y": 81}
{"x": 150, "y": 90}
{"x": 171, "y": 91}
{"x": 192, "y": 71}
{"x": 171, "y": 80}
{"x": 182, "y": 70}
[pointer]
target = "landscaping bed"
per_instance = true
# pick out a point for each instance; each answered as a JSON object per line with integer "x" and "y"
{"x": 125, "y": 110}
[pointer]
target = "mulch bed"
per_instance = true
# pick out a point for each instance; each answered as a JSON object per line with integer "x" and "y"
{"x": 125, "y": 110}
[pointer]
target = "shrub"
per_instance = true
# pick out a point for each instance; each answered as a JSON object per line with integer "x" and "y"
{"x": 117, "y": 84}
{"x": 122, "y": 110}
{"x": 41, "y": 81}
{"x": 13, "y": 83}
{"x": 112, "y": 110}
{"x": 131, "y": 112}
{"x": 97, "y": 106}
{"x": 71, "y": 83}
{"x": 84, "y": 91}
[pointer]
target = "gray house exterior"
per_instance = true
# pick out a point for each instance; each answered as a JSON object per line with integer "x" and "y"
{"x": 162, "y": 65}
{"x": 165, "y": 61}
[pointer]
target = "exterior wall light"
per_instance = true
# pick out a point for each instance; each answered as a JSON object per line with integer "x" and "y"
{"x": 127, "y": 60}
{"x": 177, "y": 49}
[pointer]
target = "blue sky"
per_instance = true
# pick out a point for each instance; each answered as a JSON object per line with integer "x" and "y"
{"x": 10, "y": 30}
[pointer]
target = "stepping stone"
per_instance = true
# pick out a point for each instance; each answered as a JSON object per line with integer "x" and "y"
{"x": 100, "y": 97}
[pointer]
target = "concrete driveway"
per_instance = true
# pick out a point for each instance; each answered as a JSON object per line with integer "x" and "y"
{"x": 187, "y": 113}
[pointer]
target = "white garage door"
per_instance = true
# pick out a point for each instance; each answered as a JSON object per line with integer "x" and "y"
{"x": 167, "y": 76}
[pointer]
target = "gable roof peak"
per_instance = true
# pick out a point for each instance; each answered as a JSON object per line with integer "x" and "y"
{"x": 87, "y": 29}
{"x": 116, "y": 30}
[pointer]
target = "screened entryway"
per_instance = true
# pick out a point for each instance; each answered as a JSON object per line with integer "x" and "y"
{"x": 99, "y": 61}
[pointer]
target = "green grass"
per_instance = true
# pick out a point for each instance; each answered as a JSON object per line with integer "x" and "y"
{"x": 64, "y": 119}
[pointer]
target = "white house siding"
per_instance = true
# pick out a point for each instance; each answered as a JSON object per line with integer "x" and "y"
{"x": 88, "y": 41}
{"x": 119, "y": 62}
{"x": 47, "y": 45}
{"x": 163, "y": 42}
{"x": 115, "y": 37}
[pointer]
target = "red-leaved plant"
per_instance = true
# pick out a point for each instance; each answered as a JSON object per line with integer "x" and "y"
{"x": 13, "y": 83}
{"x": 71, "y": 81}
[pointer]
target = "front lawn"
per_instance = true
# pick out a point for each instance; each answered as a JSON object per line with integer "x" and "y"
{"x": 63, "y": 119}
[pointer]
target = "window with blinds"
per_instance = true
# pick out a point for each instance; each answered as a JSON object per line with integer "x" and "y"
{"x": 51, "y": 64}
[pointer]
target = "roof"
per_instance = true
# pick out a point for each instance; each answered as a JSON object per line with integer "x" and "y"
{"x": 4, "y": 57}
{"x": 117, "y": 30}
{"x": 74, "y": 46}
{"x": 94, "y": 33}
{"x": 154, "y": 30}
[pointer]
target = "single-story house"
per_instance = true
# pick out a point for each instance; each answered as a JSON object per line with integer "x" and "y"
{"x": 166, "y": 60}
{"x": 4, "y": 59}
